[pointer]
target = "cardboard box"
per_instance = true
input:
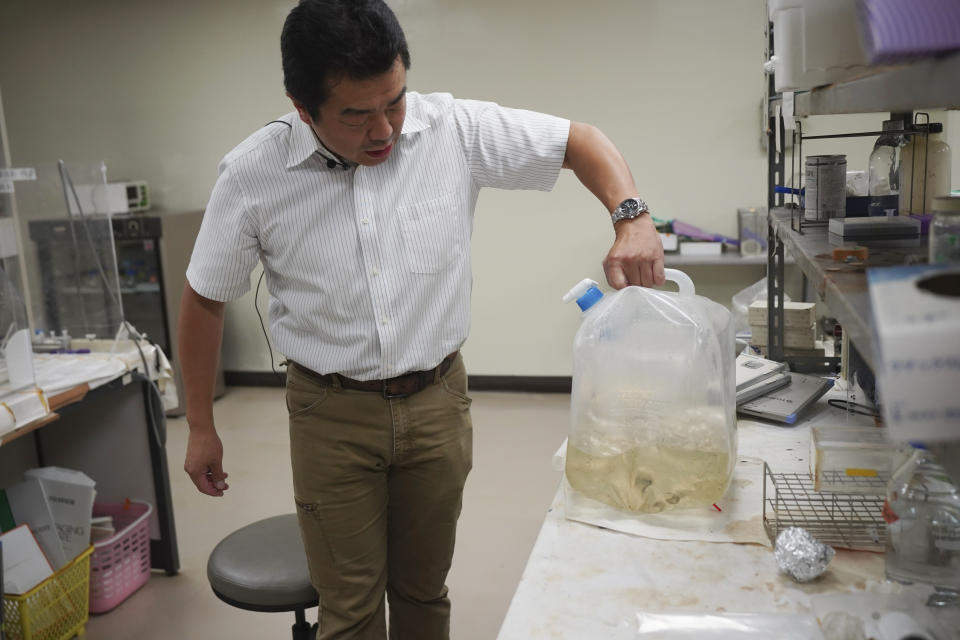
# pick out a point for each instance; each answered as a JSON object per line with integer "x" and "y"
{"x": 793, "y": 337}
{"x": 690, "y": 248}
{"x": 28, "y": 503}
{"x": 70, "y": 495}
{"x": 819, "y": 351}
{"x": 795, "y": 314}
{"x": 916, "y": 315}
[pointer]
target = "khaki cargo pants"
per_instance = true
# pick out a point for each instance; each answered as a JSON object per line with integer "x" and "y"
{"x": 378, "y": 485}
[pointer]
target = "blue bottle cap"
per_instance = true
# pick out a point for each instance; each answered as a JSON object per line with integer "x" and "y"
{"x": 589, "y": 298}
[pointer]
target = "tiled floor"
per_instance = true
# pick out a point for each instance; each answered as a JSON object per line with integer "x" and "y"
{"x": 507, "y": 494}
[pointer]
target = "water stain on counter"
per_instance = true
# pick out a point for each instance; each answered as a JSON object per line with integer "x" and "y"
{"x": 748, "y": 531}
{"x": 645, "y": 598}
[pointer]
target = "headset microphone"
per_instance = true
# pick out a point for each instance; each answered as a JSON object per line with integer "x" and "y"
{"x": 331, "y": 162}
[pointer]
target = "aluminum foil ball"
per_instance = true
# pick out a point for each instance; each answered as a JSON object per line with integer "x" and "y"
{"x": 800, "y": 555}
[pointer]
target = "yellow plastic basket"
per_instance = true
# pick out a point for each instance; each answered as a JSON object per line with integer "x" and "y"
{"x": 55, "y": 609}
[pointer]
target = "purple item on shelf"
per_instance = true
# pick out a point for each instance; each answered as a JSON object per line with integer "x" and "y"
{"x": 899, "y": 31}
{"x": 925, "y": 219}
{"x": 690, "y": 231}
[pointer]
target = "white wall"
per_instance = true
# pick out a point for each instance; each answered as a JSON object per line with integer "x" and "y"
{"x": 162, "y": 90}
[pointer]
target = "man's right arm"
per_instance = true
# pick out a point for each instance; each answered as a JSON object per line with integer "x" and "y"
{"x": 200, "y": 334}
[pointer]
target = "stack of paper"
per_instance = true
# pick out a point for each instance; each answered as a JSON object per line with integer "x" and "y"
{"x": 28, "y": 503}
{"x": 24, "y": 564}
{"x": 18, "y": 408}
{"x": 757, "y": 376}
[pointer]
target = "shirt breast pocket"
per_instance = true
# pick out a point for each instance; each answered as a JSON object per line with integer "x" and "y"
{"x": 431, "y": 233}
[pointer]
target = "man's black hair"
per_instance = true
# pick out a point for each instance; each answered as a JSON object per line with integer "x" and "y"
{"x": 324, "y": 41}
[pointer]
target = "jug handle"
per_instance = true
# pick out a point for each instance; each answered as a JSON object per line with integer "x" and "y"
{"x": 684, "y": 283}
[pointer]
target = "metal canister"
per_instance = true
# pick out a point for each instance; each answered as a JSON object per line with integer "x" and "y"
{"x": 825, "y": 187}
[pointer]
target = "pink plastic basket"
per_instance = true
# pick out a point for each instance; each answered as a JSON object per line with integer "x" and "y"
{"x": 120, "y": 564}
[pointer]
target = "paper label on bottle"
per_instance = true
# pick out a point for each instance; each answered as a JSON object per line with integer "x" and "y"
{"x": 948, "y": 542}
{"x": 22, "y": 173}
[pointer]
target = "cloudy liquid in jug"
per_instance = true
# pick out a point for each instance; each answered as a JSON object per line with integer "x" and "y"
{"x": 649, "y": 479}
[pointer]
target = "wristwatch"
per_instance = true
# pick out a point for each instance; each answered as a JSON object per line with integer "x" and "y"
{"x": 628, "y": 210}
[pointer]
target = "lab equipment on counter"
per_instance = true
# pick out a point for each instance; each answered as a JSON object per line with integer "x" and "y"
{"x": 923, "y": 527}
{"x": 652, "y": 406}
{"x": 752, "y": 227}
{"x": 111, "y": 197}
{"x": 845, "y": 459}
{"x": 842, "y": 520}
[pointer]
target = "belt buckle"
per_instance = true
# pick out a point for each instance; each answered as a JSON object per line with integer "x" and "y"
{"x": 392, "y": 396}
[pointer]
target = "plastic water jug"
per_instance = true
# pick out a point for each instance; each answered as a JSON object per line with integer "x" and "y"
{"x": 653, "y": 405}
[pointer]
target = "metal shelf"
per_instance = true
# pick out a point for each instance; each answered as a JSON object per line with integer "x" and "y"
{"x": 724, "y": 259}
{"x": 842, "y": 287}
{"x": 926, "y": 84}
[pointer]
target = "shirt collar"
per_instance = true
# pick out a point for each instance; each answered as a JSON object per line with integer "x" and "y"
{"x": 303, "y": 142}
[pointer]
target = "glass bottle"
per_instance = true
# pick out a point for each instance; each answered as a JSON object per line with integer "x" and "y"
{"x": 884, "y": 171}
{"x": 924, "y": 169}
{"x": 945, "y": 231}
{"x": 923, "y": 527}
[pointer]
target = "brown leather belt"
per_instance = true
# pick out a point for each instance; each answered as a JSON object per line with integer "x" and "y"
{"x": 398, "y": 387}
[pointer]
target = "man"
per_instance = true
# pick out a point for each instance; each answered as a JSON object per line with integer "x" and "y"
{"x": 359, "y": 206}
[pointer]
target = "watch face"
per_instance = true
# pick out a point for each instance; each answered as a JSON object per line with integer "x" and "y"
{"x": 628, "y": 209}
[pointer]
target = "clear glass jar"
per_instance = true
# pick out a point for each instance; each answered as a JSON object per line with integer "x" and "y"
{"x": 884, "y": 171}
{"x": 945, "y": 231}
{"x": 923, "y": 527}
{"x": 924, "y": 170}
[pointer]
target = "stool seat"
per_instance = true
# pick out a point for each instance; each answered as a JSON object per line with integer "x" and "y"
{"x": 263, "y": 567}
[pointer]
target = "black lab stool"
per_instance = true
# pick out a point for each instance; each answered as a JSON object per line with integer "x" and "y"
{"x": 262, "y": 567}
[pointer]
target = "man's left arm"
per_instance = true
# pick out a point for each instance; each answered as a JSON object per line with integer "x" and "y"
{"x": 636, "y": 257}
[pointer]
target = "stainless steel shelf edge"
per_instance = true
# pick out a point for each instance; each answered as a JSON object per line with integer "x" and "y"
{"x": 731, "y": 259}
{"x": 927, "y": 84}
{"x": 844, "y": 291}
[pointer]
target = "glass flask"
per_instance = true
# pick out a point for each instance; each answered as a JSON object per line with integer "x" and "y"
{"x": 923, "y": 527}
{"x": 884, "y": 171}
{"x": 945, "y": 231}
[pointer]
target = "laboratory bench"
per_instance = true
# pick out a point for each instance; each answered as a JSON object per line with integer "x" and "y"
{"x": 582, "y": 581}
{"x": 107, "y": 419}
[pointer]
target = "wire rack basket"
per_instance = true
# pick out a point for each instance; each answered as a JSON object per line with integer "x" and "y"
{"x": 841, "y": 520}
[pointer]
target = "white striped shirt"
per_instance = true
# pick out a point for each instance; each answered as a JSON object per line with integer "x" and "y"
{"x": 369, "y": 268}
